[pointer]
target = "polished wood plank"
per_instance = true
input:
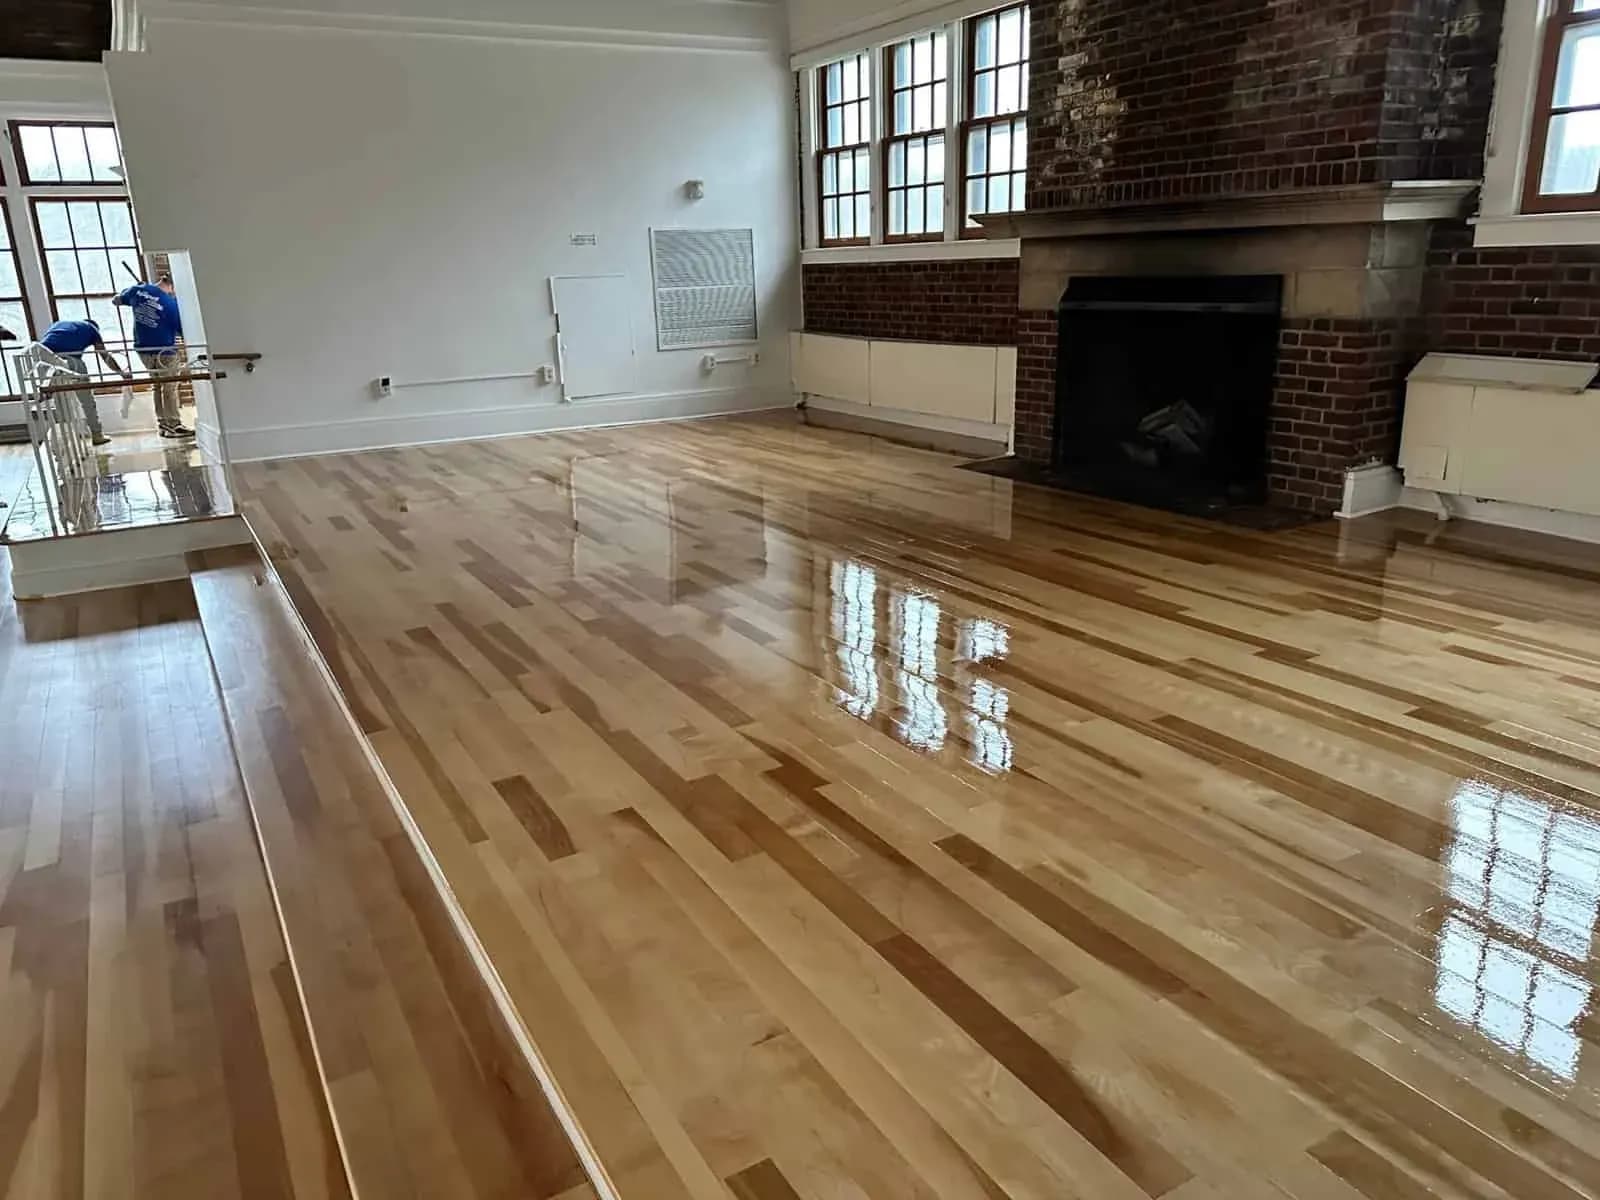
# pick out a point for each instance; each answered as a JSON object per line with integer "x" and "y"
{"x": 428, "y": 1089}
{"x": 150, "y": 1046}
{"x": 840, "y": 822}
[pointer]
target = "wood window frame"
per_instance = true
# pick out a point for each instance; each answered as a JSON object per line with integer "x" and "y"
{"x": 26, "y": 334}
{"x": 969, "y": 95}
{"x": 25, "y": 177}
{"x": 891, "y": 139}
{"x": 863, "y": 58}
{"x": 124, "y": 339}
{"x": 1565, "y": 17}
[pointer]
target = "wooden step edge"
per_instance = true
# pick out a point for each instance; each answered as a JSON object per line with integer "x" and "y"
{"x": 254, "y": 559}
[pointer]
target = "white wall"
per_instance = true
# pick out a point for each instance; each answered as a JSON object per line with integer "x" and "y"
{"x": 715, "y": 21}
{"x": 842, "y": 24}
{"x": 384, "y": 202}
{"x": 30, "y": 88}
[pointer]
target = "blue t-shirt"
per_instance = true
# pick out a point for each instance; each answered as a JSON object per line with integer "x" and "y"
{"x": 156, "y": 325}
{"x": 70, "y": 337}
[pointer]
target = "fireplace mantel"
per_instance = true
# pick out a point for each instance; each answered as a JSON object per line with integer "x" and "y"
{"x": 1364, "y": 204}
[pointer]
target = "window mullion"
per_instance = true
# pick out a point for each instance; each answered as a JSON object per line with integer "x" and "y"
{"x": 882, "y": 96}
{"x": 955, "y": 112}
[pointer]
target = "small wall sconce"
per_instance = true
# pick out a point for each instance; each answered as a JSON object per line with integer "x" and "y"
{"x": 695, "y": 189}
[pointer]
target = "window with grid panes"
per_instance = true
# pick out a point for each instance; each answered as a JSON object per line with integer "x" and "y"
{"x": 918, "y": 108}
{"x": 67, "y": 153}
{"x": 13, "y": 307}
{"x": 91, "y": 252}
{"x": 995, "y": 133}
{"x": 1564, "y": 150}
{"x": 844, "y": 149}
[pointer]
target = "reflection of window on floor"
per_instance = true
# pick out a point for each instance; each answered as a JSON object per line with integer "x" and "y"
{"x": 922, "y": 723}
{"x": 1526, "y": 879}
{"x": 91, "y": 253}
{"x": 855, "y": 632}
{"x": 980, "y": 641}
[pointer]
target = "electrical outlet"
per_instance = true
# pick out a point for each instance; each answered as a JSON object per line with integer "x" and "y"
{"x": 546, "y": 374}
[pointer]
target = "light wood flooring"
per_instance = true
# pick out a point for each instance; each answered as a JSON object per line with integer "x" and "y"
{"x": 844, "y": 824}
{"x": 428, "y": 1093}
{"x": 151, "y": 1043}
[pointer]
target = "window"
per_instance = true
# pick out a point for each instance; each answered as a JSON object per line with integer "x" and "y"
{"x": 917, "y": 111}
{"x": 915, "y": 138}
{"x": 13, "y": 307}
{"x": 91, "y": 252}
{"x": 66, "y": 153}
{"x": 995, "y": 134}
{"x": 845, "y": 142}
{"x": 1563, "y": 173}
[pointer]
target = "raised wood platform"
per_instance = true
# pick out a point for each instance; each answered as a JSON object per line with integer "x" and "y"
{"x": 428, "y": 1092}
{"x": 151, "y": 1041}
{"x": 842, "y": 823}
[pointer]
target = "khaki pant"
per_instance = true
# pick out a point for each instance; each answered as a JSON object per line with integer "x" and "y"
{"x": 162, "y": 364}
{"x": 91, "y": 411}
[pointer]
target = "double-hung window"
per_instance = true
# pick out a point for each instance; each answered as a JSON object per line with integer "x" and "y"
{"x": 917, "y": 108}
{"x": 995, "y": 134}
{"x": 845, "y": 143}
{"x": 1541, "y": 183}
{"x": 917, "y": 139}
{"x": 1563, "y": 172}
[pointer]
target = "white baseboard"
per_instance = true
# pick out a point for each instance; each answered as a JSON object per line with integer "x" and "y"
{"x": 118, "y": 558}
{"x": 1580, "y": 527}
{"x": 1369, "y": 489}
{"x": 380, "y": 432}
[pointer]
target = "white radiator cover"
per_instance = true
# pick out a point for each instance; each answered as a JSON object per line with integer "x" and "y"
{"x": 1516, "y": 430}
{"x": 966, "y": 383}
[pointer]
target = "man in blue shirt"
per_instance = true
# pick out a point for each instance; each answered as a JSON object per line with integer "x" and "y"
{"x": 156, "y": 330}
{"x": 70, "y": 339}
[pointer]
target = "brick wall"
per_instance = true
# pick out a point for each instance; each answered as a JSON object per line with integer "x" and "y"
{"x": 967, "y": 301}
{"x": 1531, "y": 301}
{"x": 1148, "y": 100}
{"x": 1037, "y": 340}
{"x": 1333, "y": 405}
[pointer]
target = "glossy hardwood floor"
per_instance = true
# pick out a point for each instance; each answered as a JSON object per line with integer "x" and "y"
{"x": 428, "y": 1093}
{"x": 846, "y": 824}
{"x": 151, "y": 1042}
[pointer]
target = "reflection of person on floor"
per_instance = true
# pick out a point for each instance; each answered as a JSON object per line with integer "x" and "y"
{"x": 156, "y": 330}
{"x": 70, "y": 339}
{"x": 190, "y": 484}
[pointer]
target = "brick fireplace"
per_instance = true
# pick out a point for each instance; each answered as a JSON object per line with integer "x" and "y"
{"x": 1333, "y": 143}
{"x": 1353, "y": 261}
{"x": 1316, "y": 140}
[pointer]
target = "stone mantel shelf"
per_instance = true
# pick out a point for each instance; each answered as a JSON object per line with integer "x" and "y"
{"x": 1363, "y": 204}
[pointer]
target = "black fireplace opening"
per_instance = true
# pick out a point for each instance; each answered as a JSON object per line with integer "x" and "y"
{"x": 1163, "y": 387}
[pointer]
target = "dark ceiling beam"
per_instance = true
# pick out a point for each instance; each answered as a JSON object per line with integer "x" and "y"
{"x": 69, "y": 30}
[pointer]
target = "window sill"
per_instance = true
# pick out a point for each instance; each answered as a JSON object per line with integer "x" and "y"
{"x": 914, "y": 251}
{"x": 1538, "y": 229}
